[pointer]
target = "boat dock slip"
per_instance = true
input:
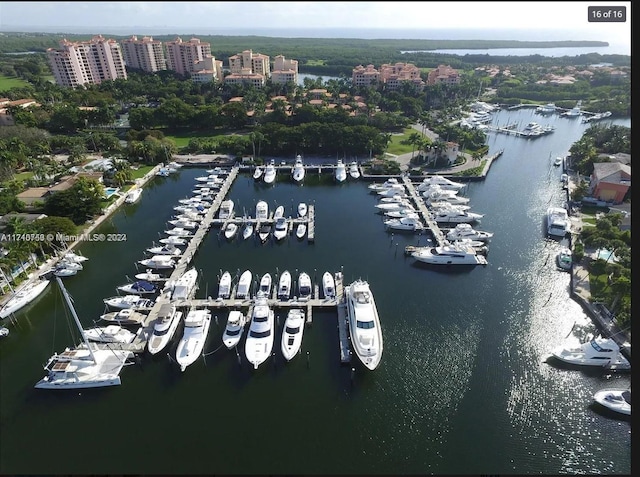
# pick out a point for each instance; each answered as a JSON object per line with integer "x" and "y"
{"x": 311, "y": 230}
{"x": 424, "y": 212}
{"x": 345, "y": 352}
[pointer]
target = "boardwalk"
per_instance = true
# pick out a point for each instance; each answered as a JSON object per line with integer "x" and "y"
{"x": 427, "y": 219}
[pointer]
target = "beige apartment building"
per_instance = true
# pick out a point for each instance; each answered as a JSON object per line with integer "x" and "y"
{"x": 183, "y": 55}
{"x": 86, "y": 62}
{"x": 443, "y": 74}
{"x": 393, "y": 76}
{"x": 284, "y": 70}
{"x": 145, "y": 54}
{"x": 365, "y": 75}
{"x": 249, "y": 68}
{"x": 207, "y": 70}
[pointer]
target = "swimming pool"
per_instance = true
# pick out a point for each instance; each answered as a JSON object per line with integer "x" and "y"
{"x": 109, "y": 191}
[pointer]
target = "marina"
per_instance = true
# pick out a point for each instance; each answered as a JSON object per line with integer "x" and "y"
{"x": 466, "y": 345}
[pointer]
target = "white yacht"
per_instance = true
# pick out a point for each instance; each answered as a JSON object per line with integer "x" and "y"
{"x": 341, "y": 171}
{"x": 194, "y": 336}
{"x": 440, "y": 181}
{"x": 292, "y": 333}
{"x": 84, "y": 366}
{"x": 247, "y": 230}
{"x": 179, "y": 232}
{"x": 133, "y": 195}
{"x": 184, "y": 223}
{"x": 123, "y": 302}
{"x": 164, "y": 328}
{"x": 165, "y": 249}
{"x": 265, "y": 285}
{"x": 328, "y": 285}
{"x": 259, "y": 341}
{"x": 391, "y": 182}
{"x": 301, "y": 230}
{"x": 404, "y": 224}
{"x": 262, "y": 210}
{"x": 454, "y": 215}
{"x": 304, "y": 286}
{"x": 558, "y": 224}
{"x": 449, "y": 255}
{"x": 617, "y": 400}
{"x": 601, "y": 352}
{"x": 279, "y": 212}
{"x": 224, "y": 286}
{"x": 354, "y": 172}
{"x": 139, "y": 287}
{"x": 466, "y": 231}
{"x": 127, "y": 316}
{"x": 281, "y": 228}
{"x": 269, "y": 176}
{"x": 233, "y": 329}
{"x": 548, "y": 108}
{"x": 226, "y": 209}
{"x": 399, "y": 213}
{"x": 441, "y": 195}
{"x": 110, "y": 334}
{"x": 244, "y": 285}
{"x": 298, "y": 170}
{"x": 173, "y": 240}
{"x": 158, "y": 262}
{"x": 150, "y": 276}
{"x": 185, "y": 286}
{"x": 364, "y": 324}
{"x": 575, "y": 111}
{"x": 302, "y": 209}
{"x": 231, "y": 230}
{"x": 284, "y": 286}
{"x": 385, "y": 207}
{"x": 24, "y": 295}
{"x": 258, "y": 172}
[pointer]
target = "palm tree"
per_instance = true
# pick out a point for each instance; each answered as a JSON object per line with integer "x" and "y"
{"x": 414, "y": 139}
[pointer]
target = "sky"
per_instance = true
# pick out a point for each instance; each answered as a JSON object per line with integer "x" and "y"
{"x": 565, "y": 20}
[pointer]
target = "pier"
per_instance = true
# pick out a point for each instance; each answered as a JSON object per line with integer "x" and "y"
{"x": 427, "y": 219}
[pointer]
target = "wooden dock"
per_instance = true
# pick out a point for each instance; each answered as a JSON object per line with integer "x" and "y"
{"x": 311, "y": 225}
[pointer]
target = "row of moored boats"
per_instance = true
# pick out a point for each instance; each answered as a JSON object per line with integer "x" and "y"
{"x": 464, "y": 245}
{"x": 267, "y": 173}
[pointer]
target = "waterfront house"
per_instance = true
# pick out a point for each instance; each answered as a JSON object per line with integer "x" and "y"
{"x": 610, "y": 182}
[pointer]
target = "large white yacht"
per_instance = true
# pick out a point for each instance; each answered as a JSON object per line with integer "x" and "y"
{"x": 449, "y": 255}
{"x": 601, "y": 352}
{"x": 259, "y": 342}
{"x": 454, "y": 215}
{"x": 364, "y": 324}
{"x": 442, "y": 182}
{"x": 298, "y": 170}
{"x": 23, "y": 296}
{"x": 194, "y": 336}
{"x": 404, "y": 224}
{"x": 184, "y": 286}
{"x": 558, "y": 224}
{"x": 466, "y": 231}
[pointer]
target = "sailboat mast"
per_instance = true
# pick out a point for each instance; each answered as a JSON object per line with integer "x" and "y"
{"x": 75, "y": 316}
{"x": 7, "y": 280}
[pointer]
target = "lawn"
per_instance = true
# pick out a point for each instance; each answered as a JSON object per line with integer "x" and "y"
{"x": 7, "y": 83}
{"x": 140, "y": 172}
{"x": 395, "y": 145}
{"x": 182, "y": 139}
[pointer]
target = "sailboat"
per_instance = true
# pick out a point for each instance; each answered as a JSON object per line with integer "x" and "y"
{"x": 85, "y": 366}
{"x": 22, "y": 296}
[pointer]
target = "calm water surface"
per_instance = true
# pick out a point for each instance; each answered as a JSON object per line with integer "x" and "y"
{"x": 462, "y": 387}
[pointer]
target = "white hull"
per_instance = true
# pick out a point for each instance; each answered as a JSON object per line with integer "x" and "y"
{"x": 233, "y": 330}
{"x": 599, "y": 352}
{"x": 448, "y": 255}
{"x": 265, "y": 285}
{"x": 185, "y": 285}
{"x": 301, "y": 230}
{"x": 164, "y": 329}
{"x": 133, "y": 196}
{"x": 616, "y": 400}
{"x": 224, "y": 287}
{"x": 193, "y": 339}
{"x": 328, "y": 285}
{"x": 22, "y": 297}
{"x": 260, "y": 337}
{"x": 244, "y": 285}
{"x": 304, "y": 286}
{"x": 364, "y": 324}
{"x": 302, "y": 209}
{"x": 292, "y": 333}
{"x": 284, "y": 286}
{"x": 109, "y": 334}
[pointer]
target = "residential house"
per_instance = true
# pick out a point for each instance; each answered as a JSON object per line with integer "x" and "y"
{"x": 610, "y": 182}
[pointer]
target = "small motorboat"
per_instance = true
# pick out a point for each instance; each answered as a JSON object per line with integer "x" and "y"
{"x": 139, "y": 287}
{"x": 617, "y": 400}
{"x": 134, "y": 302}
{"x": 231, "y": 230}
{"x": 284, "y": 286}
{"x": 304, "y": 286}
{"x": 354, "y": 172}
{"x": 124, "y": 317}
{"x": 173, "y": 240}
{"x": 328, "y": 285}
{"x": 150, "y": 276}
{"x": 265, "y": 285}
{"x": 244, "y": 285}
{"x": 292, "y": 333}
{"x": 302, "y": 209}
{"x": 234, "y": 328}
{"x": 257, "y": 173}
{"x": 280, "y": 229}
{"x": 301, "y": 230}
{"x": 224, "y": 286}
{"x": 165, "y": 249}
{"x": 564, "y": 258}
{"x": 263, "y": 232}
{"x": 247, "y": 230}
